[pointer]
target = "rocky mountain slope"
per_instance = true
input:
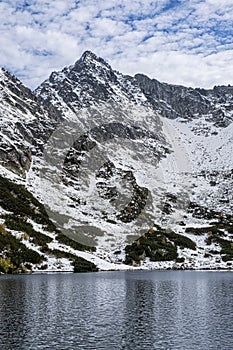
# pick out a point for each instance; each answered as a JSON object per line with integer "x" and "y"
{"x": 173, "y": 101}
{"x": 25, "y": 124}
{"x": 116, "y": 161}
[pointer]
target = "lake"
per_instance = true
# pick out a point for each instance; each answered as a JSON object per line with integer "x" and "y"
{"x": 117, "y": 310}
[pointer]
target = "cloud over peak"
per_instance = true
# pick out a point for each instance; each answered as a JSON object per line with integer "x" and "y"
{"x": 181, "y": 42}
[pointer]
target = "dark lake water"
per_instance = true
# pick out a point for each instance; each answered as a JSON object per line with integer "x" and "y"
{"x": 117, "y": 310}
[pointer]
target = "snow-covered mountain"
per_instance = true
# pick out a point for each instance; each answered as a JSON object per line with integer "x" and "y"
{"x": 25, "y": 124}
{"x": 114, "y": 158}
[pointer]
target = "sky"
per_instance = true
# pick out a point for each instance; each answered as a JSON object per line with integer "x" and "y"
{"x": 187, "y": 42}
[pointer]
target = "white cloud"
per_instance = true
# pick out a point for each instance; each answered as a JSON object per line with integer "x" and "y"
{"x": 189, "y": 43}
{"x": 181, "y": 69}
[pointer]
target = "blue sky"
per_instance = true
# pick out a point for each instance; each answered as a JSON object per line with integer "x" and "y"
{"x": 186, "y": 42}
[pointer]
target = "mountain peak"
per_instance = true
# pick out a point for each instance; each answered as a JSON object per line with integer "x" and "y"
{"x": 88, "y": 57}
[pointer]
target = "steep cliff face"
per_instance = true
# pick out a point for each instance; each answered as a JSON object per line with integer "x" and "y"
{"x": 114, "y": 157}
{"x": 175, "y": 101}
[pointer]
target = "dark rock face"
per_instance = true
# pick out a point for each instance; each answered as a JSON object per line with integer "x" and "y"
{"x": 13, "y": 159}
{"x": 174, "y": 101}
{"x": 89, "y": 81}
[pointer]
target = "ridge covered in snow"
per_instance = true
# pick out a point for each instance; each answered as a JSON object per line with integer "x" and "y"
{"x": 113, "y": 156}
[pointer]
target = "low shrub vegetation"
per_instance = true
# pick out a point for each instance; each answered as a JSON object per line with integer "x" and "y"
{"x": 216, "y": 229}
{"x": 18, "y": 224}
{"x": 82, "y": 265}
{"x": 158, "y": 245}
{"x": 14, "y": 255}
{"x": 226, "y": 246}
{"x": 18, "y": 200}
{"x": 23, "y": 206}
